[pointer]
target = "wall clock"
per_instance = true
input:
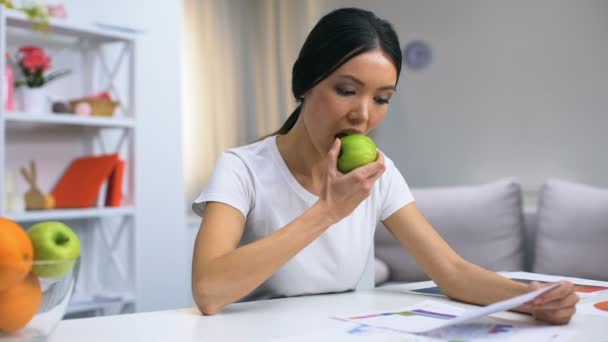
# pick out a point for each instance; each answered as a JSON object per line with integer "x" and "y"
{"x": 417, "y": 55}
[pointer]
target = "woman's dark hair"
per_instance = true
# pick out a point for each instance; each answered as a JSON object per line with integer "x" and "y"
{"x": 335, "y": 39}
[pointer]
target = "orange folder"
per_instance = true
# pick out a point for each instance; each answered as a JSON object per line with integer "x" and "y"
{"x": 114, "y": 191}
{"x": 80, "y": 184}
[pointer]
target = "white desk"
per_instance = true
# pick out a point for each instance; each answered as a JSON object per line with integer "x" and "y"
{"x": 278, "y": 318}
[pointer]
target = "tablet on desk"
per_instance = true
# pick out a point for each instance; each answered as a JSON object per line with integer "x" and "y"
{"x": 581, "y": 289}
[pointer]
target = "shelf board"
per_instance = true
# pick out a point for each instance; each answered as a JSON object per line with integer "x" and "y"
{"x": 67, "y": 214}
{"x": 69, "y": 119}
{"x": 69, "y": 28}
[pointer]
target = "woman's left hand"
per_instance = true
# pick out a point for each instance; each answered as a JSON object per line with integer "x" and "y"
{"x": 556, "y": 306}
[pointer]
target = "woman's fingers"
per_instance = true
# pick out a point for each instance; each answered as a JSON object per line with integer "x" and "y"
{"x": 382, "y": 167}
{"x": 371, "y": 170}
{"x": 561, "y": 303}
{"x": 561, "y": 316}
{"x": 561, "y": 297}
{"x": 380, "y": 159}
{"x": 563, "y": 290}
{"x": 556, "y": 306}
{"x": 333, "y": 154}
{"x": 346, "y": 191}
{"x": 531, "y": 287}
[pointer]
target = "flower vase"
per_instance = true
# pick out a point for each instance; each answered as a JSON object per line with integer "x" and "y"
{"x": 9, "y": 89}
{"x": 33, "y": 100}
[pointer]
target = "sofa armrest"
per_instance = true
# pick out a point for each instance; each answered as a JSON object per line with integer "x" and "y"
{"x": 381, "y": 271}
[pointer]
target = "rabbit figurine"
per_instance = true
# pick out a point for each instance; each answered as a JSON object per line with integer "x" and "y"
{"x": 34, "y": 198}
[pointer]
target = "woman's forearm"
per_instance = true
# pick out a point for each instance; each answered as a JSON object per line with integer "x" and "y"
{"x": 230, "y": 277}
{"x": 473, "y": 284}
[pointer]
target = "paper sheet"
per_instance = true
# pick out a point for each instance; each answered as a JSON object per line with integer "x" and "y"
{"x": 596, "y": 308}
{"x": 472, "y": 332}
{"x": 500, "y": 306}
{"x": 477, "y": 332}
{"x": 430, "y": 315}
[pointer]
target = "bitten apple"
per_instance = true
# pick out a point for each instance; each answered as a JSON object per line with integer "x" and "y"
{"x": 357, "y": 150}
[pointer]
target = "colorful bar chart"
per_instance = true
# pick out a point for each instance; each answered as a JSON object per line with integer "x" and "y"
{"x": 501, "y": 328}
{"x": 417, "y": 312}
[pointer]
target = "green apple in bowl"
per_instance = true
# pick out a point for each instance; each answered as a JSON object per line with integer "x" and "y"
{"x": 54, "y": 241}
{"x": 357, "y": 150}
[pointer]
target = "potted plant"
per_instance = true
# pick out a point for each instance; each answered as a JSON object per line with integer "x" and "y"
{"x": 33, "y": 62}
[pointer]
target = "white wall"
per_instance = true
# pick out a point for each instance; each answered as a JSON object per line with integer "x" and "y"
{"x": 515, "y": 88}
{"x": 163, "y": 260}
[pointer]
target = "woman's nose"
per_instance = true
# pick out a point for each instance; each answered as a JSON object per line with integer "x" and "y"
{"x": 360, "y": 113}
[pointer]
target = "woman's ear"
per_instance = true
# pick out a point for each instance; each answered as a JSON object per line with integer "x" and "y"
{"x": 305, "y": 95}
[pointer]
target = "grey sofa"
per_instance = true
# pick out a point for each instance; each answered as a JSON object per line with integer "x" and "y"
{"x": 566, "y": 235}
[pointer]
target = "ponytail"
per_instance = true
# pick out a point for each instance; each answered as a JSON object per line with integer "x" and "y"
{"x": 288, "y": 125}
{"x": 290, "y": 122}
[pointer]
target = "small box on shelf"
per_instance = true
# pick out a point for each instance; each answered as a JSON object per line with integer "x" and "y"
{"x": 100, "y": 104}
{"x": 97, "y": 107}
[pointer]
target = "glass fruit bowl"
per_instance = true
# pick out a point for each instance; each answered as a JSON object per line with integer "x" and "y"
{"x": 31, "y": 308}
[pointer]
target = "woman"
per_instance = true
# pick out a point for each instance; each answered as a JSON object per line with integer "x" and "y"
{"x": 281, "y": 220}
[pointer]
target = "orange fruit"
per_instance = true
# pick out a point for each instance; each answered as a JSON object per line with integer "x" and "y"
{"x": 19, "y": 304}
{"x": 16, "y": 253}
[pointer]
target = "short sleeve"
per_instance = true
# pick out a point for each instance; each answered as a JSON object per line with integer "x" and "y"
{"x": 395, "y": 193}
{"x": 230, "y": 183}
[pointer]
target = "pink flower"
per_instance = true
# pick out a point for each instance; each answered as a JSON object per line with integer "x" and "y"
{"x": 27, "y": 49}
{"x": 36, "y": 59}
{"x": 33, "y": 63}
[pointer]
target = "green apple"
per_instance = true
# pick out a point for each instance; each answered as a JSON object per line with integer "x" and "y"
{"x": 357, "y": 150}
{"x": 55, "y": 243}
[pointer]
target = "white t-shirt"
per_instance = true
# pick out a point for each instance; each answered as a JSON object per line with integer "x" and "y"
{"x": 255, "y": 180}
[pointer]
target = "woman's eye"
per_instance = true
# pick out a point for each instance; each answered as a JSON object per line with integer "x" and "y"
{"x": 380, "y": 100}
{"x": 344, "y": 92}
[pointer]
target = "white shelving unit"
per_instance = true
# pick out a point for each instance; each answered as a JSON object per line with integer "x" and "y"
{"x": 105, "y": 62}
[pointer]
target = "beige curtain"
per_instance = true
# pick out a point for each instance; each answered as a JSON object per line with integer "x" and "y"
{"x": 237, "y": 59}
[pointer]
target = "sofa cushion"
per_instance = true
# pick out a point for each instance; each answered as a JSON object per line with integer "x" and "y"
{"x": 483, "y": 223}
{"x": 572, "y": 237}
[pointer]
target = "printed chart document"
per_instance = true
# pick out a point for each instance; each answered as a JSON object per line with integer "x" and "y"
{"x": 430, "y": 315}
{"x": 596, "y": 308}
{"x": 500, "y": 306}
{"x": 475, "y": 332}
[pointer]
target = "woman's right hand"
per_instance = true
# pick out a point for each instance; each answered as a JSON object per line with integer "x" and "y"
{"x": 342, "y": 193}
